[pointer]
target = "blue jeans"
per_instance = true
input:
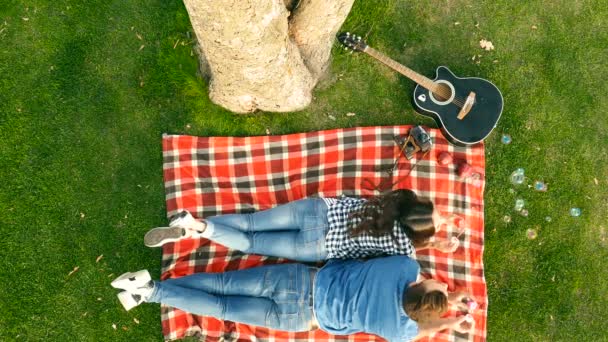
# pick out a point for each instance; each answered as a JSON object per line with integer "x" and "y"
{"x": 273, "y": 296}
{"x": 294, "y": 231}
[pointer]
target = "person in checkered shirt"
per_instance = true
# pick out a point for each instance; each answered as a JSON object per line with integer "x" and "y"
{"x": 381, "y": 296}
{"x": 317, "y": 229}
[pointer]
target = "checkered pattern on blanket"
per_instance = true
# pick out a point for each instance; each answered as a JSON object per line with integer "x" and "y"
{"x": 218, "y": 175}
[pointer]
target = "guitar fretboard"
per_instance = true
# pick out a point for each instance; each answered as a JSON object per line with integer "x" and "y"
{"x": 405, "y": 71}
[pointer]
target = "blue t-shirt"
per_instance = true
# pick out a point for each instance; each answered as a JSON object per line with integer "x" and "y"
{"x": 366, "y": 296}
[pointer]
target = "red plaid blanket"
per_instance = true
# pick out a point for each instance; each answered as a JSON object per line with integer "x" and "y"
{"x": 218, "y": 175}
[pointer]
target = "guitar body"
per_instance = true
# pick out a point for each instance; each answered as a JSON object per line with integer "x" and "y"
{"x": 478, "y": 123}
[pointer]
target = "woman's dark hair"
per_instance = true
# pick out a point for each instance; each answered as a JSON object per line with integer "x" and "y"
{"x": 422, "y": 306}
{"x": 379, "y": 214}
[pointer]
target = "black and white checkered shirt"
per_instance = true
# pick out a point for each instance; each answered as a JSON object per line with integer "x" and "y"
{"x": 341, "y": 245}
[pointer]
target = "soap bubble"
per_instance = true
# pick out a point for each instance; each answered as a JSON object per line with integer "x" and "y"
{"x": 518, "y": 177}
{"x": 540, "y": 186}
{"x": 519, "y": 204}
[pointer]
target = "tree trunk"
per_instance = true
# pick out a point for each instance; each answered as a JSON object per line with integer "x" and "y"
{"x": 260, "y": 58}
{"x": 314, "y": 26}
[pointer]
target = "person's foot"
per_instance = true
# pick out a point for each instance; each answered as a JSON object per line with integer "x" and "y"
{"x": 137, "y": 286}
{"x": 134, "y": 282}
{"x": 161, "y": 235}
{"x": 185, "y": 220}
{"x": 129, "y": 300}
{"x": 182, "y": 226}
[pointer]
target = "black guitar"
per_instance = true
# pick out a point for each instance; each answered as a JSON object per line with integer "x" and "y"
{"x": 466, "y": 109}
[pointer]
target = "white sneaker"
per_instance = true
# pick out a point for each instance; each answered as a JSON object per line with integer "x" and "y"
{"x": 129, "y": 300}
{"x": 184, "y": 219}
{"x": 134, "y": 282}
{"x": 159, "y": 236}
{"x": 182, "y": 226}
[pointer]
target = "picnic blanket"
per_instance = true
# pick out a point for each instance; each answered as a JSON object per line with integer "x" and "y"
{"x": 218, "y": 175}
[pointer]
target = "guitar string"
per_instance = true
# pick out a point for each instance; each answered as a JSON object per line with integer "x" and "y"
{"x": 445, "y": 93}
{"x": 442, "y": 92}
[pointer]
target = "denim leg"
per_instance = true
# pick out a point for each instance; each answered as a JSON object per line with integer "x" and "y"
{"x": 273, "y": 296}
{"x": 221, "y": 307}
{"x": 247, "y": 282}
{"x": 283, "y": 217}
{"x": 295, "y": 231}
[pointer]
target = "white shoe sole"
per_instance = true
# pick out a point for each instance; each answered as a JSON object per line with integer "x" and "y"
{"x": 131, "y": 281}
{"x": 127, "y": 300}
{"x": 159, "y": 236}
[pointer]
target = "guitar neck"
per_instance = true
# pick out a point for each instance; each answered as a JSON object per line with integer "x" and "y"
{"x": 405, "y": 71}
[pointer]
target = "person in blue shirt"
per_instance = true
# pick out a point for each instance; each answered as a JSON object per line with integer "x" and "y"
{"x": 317, "y": 229}
{"x": 380, "y": 296}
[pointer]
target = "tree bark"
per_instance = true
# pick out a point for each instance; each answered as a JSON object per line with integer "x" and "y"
{"x": 260, "y": 58}
{"x": 314, "y": 26}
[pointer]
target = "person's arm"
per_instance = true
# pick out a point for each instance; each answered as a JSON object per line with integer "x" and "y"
{"x": 445, "y": 246}
{"x": 429, "y": 328}
{"x": 463, "y": 324}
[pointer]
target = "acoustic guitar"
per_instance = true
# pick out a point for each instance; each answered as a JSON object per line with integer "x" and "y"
{"x": 466, "y": 109}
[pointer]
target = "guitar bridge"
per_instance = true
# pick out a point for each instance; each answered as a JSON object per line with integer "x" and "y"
{"x": 468, "y": 104}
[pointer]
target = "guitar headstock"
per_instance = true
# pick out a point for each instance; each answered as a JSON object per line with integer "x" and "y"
{"x": 352, "y": 42}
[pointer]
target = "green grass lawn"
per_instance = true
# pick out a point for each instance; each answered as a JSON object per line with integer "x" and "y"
{"x": 87, "y": 89}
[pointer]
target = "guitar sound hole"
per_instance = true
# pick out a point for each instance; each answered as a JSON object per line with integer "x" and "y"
{"x": 442, "y": 92}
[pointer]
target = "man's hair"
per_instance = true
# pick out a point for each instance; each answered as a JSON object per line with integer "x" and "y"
{"x": 378, "y": 216}
{"x": 422, "y": 306}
